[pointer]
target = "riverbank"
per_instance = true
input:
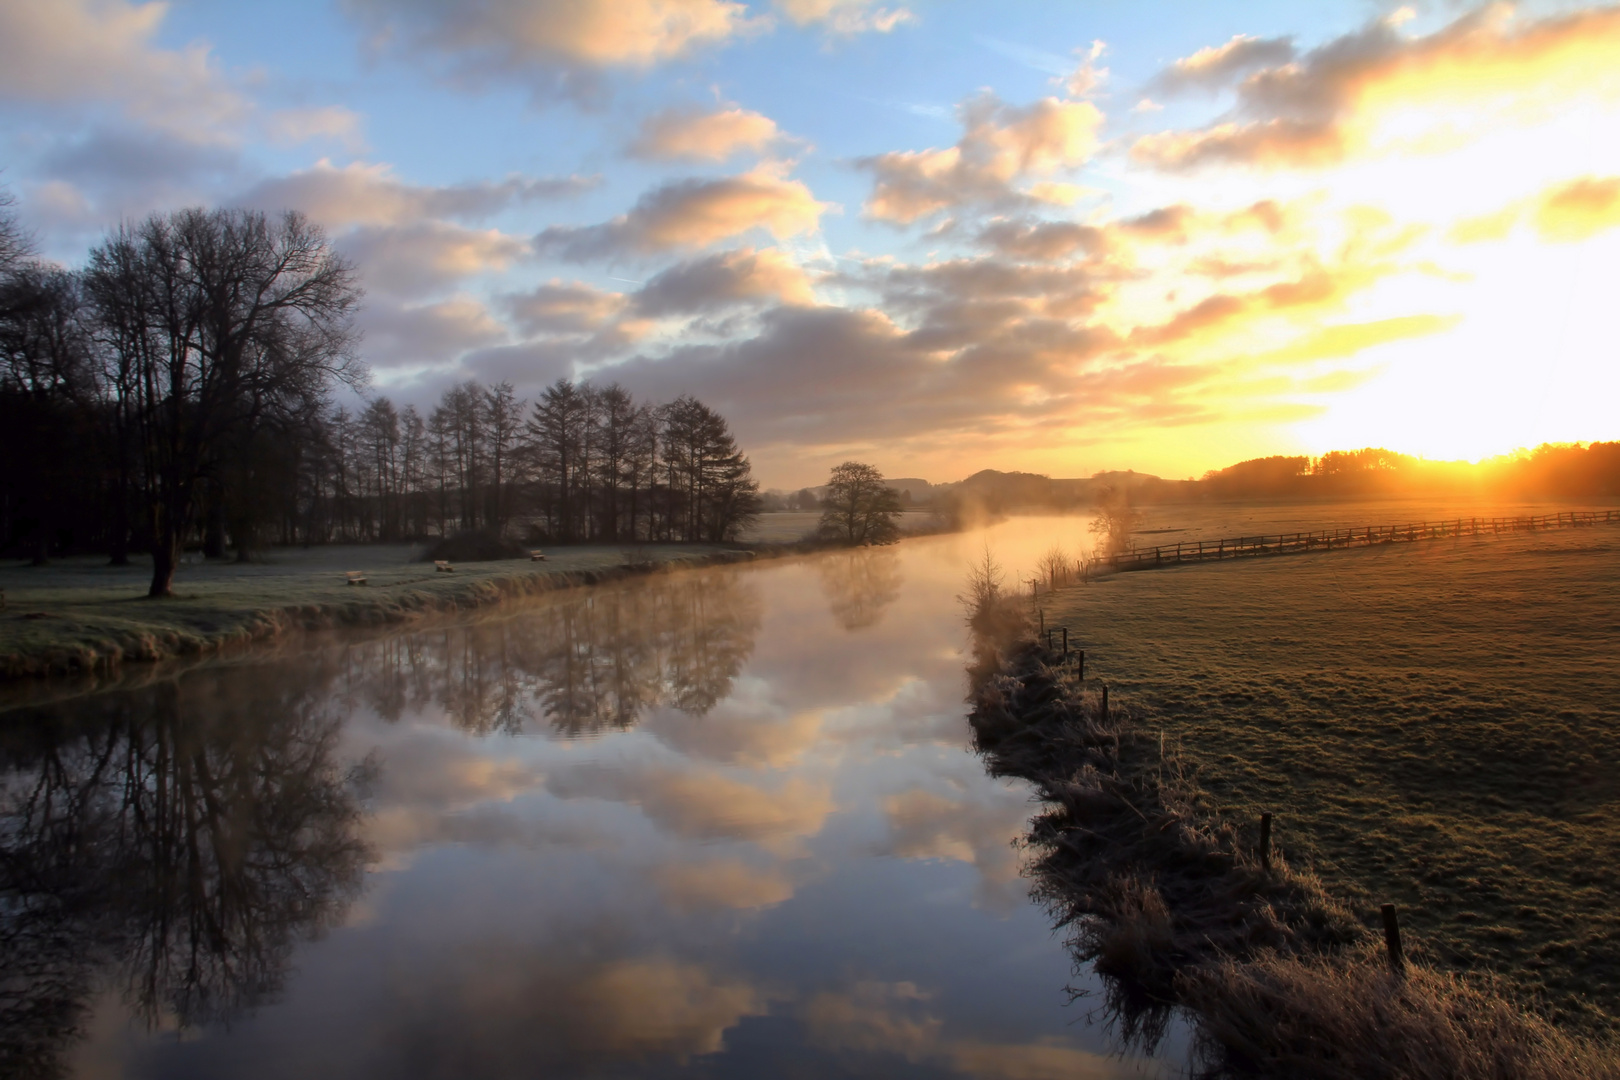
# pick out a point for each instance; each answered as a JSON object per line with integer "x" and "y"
{"x": 1176, "y": 906}
{"x": 80, "y": 615}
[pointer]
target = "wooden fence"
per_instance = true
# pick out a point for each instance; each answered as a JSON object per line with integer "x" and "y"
{"x": 1362, "y": 536}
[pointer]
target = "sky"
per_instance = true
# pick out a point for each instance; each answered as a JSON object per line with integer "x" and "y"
{"x": 933, "y": 236}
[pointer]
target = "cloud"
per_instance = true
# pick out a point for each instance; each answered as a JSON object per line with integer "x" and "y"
{"x": 565, "y": 307}
{"x": 722, "y": 883}
{"x": 709, "y": 804}
{"x": 527, "y": 364}
{"x": 415, "y": 260}
{"x": 370, "y": 195}
{"x": 1479, "y": 71}
{"x": 503, "y": 1007}
{"x": 138, "y": 163}
{"x": 1045, "y": 240}
{"x": 845, "y": 17}
{"x": 698, "y": 135}
{"x": 1564, "y": 213}
{"x": 102, "y": 52}
{"x": 724, "y": 280}
{"x": 923, "y": 825}
{"x": 1000, "y": 145}
{"x": 398, "y": 335}
{"x": 824, "y": 376}
{"x": 1315, "y": 287}
{"x": 118, "y": 172}
{"x": 333, "y": 122}
{"x": 556, "y": 45}
{"x": 1212, "y": 67}
{"x": 694, "y": 214}
{"x": 1088, "y": 77}
{"x": 1579, "y": 209}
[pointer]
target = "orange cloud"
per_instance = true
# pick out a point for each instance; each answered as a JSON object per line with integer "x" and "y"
{"x": 723, "y": 280}
{"x": 1579, "y": 209}
{"x": 695, "y": 214}
{"x": 1565, "y": 213}
{"x": 1330, "y": 103}
{"x": 1000, "y": 144}
{"x": 1213, "y": 66}
{"x": 722, "y": 883}
{"x": 703, "y": 136}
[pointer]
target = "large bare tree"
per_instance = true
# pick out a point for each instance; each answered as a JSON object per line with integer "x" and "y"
{"x": 224, "y": 320}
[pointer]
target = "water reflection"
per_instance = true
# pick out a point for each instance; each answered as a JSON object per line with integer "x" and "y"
{"x": 777, "y": 857}
{"x": 175, "y": 842}
{"x": 585, "y": 662}
{"x": 860, "y": 584}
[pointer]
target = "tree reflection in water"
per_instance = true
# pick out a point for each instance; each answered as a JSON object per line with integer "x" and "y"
{"x": 173, "y": 843}
{"x": 583, "y": 662}
{"x": 860, "y": 584}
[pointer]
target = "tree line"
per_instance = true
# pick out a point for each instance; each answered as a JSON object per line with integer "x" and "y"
{"x": 180, "y": 390}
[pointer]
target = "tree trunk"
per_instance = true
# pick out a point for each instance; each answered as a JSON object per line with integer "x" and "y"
{"x": 42, "y": 543}
{"x": 165, "y": 554}
{"x": 214, "y": 534}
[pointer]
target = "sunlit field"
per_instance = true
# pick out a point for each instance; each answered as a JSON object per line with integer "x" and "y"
{"x": 1433, "y": 725}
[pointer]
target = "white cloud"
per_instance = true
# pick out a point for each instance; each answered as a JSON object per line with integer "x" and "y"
{"x": 845, "y": 17}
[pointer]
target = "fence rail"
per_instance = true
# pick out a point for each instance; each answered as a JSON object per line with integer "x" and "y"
{"x": 1362, "y": 536}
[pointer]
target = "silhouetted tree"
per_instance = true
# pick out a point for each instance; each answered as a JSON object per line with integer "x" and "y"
{"x": 225, "y": 319}
{"x": 859, "y": 508}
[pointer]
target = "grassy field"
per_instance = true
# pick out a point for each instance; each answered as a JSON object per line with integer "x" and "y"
{"x": 79, "y": 613}
{"x": 1433, "y": 725}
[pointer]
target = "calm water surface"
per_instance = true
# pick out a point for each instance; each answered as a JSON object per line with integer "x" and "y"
{"x": 722, "y": 823}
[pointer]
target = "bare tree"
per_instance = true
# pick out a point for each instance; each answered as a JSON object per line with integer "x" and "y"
{"x": 224, "y": 316}
{"x": 503, "y": 417}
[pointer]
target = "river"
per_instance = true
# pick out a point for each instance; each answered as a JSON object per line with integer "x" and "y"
{"x": 719, "y": 823}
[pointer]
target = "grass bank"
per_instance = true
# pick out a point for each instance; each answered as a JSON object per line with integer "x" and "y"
{"x": 1435, "y": 726}
{"x": 80, "y": 615}
{"x": 1174, "y": 907}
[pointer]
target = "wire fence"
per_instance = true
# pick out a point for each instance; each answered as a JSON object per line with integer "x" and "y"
{"x": 1243, "y": 547}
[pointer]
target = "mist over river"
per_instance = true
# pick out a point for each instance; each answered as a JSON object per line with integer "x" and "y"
{"x": 714, "y": 823}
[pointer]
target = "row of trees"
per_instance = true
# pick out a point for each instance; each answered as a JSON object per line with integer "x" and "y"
{"x": 179, "y": 389}
{"x": 581, "y": 463}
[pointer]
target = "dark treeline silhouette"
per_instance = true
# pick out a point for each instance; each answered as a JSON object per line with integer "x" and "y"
{"x": 172, "y": 843}
{"x": 583, "y": 463}
{"x": 178, "y": 391}
{"x": 1551, "y": 471}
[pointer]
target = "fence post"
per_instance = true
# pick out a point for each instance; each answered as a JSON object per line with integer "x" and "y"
{"x": 1392, "y": 941}
{"x": 1265, "y": 842}
{"x": 1104, "y": 711}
